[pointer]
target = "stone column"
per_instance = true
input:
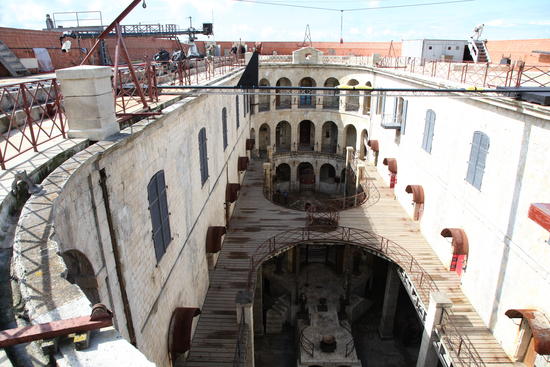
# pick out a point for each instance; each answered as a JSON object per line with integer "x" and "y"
{"x": 268, "y": 181}
{"x": 88, "y": 101}
{"x": 294, "y": 185}
{"x": 244, "y": 306}
{"x": 258, "y": 304}
{"x": 270, "y": 154}
{"x": 385, "y": 329}
{"x": 427, "y": 356}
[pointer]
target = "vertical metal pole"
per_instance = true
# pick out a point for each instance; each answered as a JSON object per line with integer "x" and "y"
{"x": 115, "y": 77}
{"x": 58, "y": 107}
{"x": 27, "y": 109}
{"x": 485, "y": 76}
{"x": 131, "y": 67}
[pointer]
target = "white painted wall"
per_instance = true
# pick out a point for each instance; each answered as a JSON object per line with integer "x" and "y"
{"x": 494, "y": 218}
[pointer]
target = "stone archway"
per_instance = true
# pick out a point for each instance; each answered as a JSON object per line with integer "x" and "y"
{"x": 81, "y": 273}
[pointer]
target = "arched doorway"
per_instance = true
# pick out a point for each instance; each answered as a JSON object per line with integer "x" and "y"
{"x": 363, "y": 143}
{"x": 352, "y": 98}
{"x": 264, "y": 139}
{"x": 306, "y": 100}
{"x": 282, "y": 178}
{"x": 264, "y": 100}
{"x": 327, "y": 178}
{"x": 283, "y": 137}
{"x": 329, "y": 137}
{"x": 306, "y": 177}
{"x": 331, "y": 100}
{"x": 81, "y": 273}
{"x": 351, "y": 136}
{"x": 307, "y": 135}
{"x": 283, "y": 99}
{"x": 252, "y": 134}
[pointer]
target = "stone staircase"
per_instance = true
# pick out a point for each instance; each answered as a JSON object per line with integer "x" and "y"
{"x": 11, "y": 62}
{"x": 479, "y": 51}
{"x": 277, "y": 315}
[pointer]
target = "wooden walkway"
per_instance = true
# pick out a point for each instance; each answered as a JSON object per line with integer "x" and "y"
{"x": 255, "y": 220}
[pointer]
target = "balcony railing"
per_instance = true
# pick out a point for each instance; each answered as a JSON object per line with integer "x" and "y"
{"x": 32, "y": 114}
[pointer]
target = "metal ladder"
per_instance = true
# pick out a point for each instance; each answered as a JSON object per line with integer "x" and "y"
{"x": 11, "y": 62}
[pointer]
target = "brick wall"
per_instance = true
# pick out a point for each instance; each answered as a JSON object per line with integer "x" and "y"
{"x": 328, "y": 48}
{"x": 520, "y": 50}
{"x": 22, "y": 41}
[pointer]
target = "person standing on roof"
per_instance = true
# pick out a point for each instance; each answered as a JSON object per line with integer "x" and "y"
{"x": 477, "y": 31}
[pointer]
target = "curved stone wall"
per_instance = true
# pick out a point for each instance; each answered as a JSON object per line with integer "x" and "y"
{"x": 96, "y": 205}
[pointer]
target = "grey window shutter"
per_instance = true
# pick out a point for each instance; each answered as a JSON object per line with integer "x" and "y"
{"x": 224, "y": 127}
{"x": 404, "y": 116}
{"x": 158, "y": 208}
{"x": 163, "y": 205}
{"x": 482, "y": 157}
{"x": 237, "y": 112}
{"x": 474, "y": 154}
{"x": 203, "y": 154}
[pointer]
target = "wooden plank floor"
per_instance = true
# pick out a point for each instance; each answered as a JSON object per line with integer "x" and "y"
{"x": 255, "y": 220}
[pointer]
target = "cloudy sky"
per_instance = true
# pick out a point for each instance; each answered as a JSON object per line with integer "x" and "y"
{"x": 254, "y": 20}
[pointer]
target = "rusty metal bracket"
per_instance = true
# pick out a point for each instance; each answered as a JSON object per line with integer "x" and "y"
{"x": 100, "y": 317}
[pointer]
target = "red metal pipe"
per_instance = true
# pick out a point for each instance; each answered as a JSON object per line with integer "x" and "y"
{"x": 110, "y": 27}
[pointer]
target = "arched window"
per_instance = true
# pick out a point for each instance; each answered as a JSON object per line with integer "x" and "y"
{"x": 224, "y": 127}
{"x": 352, "y": 98}
{"x": 264, "y": 100}
{"x": 203, "y": 155}
{"x": 331, "y": 100}
{"x": 478, "y": 156}
{"x": 306, "y": 100}
{"x": 282, "y": 97}
{"x": 428, "y": 131}
{"x": 367, "y": 100}
{"x": 237, "y": 111}
{"x": 158, "y": 208}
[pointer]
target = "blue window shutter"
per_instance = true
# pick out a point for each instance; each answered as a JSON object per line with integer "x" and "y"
{"x": 474, "y": 154}
{"x": 224, "y": 127}
{"x": 237, "y": 111}
{"x": 404, "y": 116}
{"x": 426, "y": 131}
{"x": 431, "y": 127}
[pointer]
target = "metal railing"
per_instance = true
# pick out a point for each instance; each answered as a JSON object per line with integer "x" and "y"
{"x": 307, "y": 345}
{"x": 343, "y": 235}
{"x": 239, "y": 358}
{"x": 480, "y": 75}
{"x": 317, "y": 216}
{"x": 128, "y": 100}
{"x": 461, "y": 350}
{"x": 31, "y": 114}
{"x": 350, "y": 343}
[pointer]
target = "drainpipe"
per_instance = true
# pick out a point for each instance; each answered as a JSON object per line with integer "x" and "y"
{"x": 116, "y": 255}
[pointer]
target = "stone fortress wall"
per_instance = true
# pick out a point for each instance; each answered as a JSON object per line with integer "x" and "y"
{"x": 494, "y": 218}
